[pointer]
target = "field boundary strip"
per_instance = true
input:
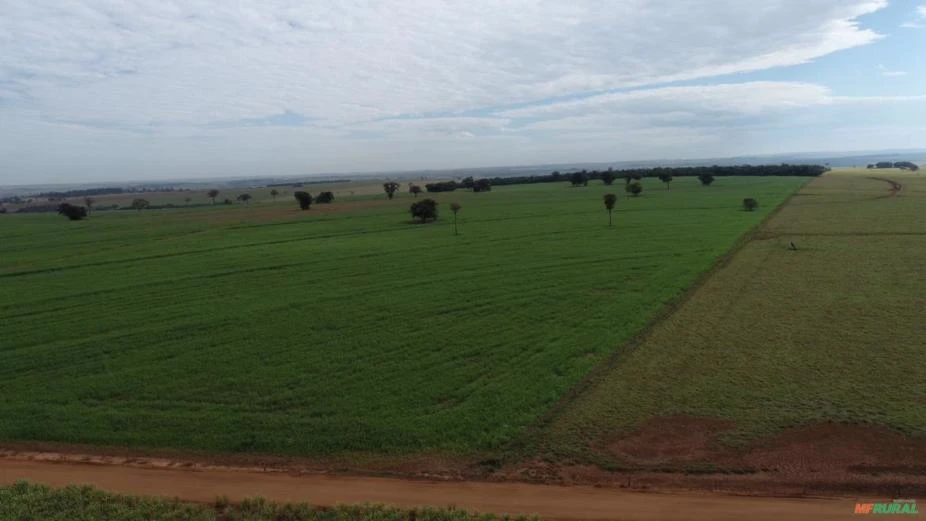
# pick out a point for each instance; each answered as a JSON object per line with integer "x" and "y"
{"x": 533, "y": 432}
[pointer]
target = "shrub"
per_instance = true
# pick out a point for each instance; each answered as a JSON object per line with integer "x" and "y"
{"x": 706, "y": 179}
{"x": 140, "y": 204}
{"x": 424, "y": 209}
{"x": 72, "y": 212}
{"x": 482, "y": 185}
{"x": 750, "y": 204}
{"x": 634, "y": 188}
{"x": 324, "y": 197}
{"x": 304, "y": 199}
{"x": 390, "y": 187}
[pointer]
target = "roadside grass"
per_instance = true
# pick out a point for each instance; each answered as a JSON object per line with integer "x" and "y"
{"x": 832, "y": 332}
{"x": 320, "y": 333}
{"x": 24, "y": 501}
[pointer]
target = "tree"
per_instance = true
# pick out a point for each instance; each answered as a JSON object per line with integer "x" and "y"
{"x": 213, "y": 194}
{"x": 608, "y": 177}
{"x": 88, "y": 202}
{"x": 666, "y": 178}
{"x": 140, "y": 204}
{"x": 750, "y": 204}
{"x": 468, "y": 182}
{"x": 305, "y": 200}
{"x": 579, "y": 179}
{"x": 482, "y": 185}
{"x": 424, "y": 209}
{"x": 72, "y": 212}
{"x": 455, "y": 207}
{"x": 187, "y": 200}
{"x": 274, "y": 193}
{"x": 706, "y": 179}
{"x": 415, "y": 190}
{"x": 609, "y": 201}
{"x": 245, "y": 198}
{"x": 390, "y": 188}
{"x": 324, "y": 197}
{"x": 634, "y": 188}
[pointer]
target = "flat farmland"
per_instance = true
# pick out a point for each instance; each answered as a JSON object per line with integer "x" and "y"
{"x": 795, "y": 363}
{"x": 344, "y": 329}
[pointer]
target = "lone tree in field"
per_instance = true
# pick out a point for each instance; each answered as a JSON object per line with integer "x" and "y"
{"x": 74, "y": 213}
{"x": 424, "y": 209}
{"x": 274, "y": 193}
{"x": 305, "y": 200}
{"x": 213, "y": 194}
{"x": 579, "y": 179}
{"x": 635, "y": 188}
{"x": 666, "y": 178}
{"x": 750, "y": 204}
{"x": 140, "y": 204}
{"x": 88, "y": 202}
{"x": 245, "y": 198}
{"x": 608, "y": 177}
{"x": 455, "y": 208}
{"x": 187, "y": 200}
{"x": 324, "y": 197}
{"x": 706, "y": 179}
{"x": 390, "y": 188}
{"x": 415, "y": 190}
{"x": 609, "y": 201}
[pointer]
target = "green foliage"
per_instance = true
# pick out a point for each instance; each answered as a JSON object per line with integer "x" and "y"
{"x": 579, "y": 178}
{"x": 303, "y": 334}
{"x": 274, "y": 193}
{"x": 750, "y": 204}
{"x": 26, "y": 502}
{"x": 424, "y": 209}
{"x": 244, "y": 198}
{"x": 415, "y": 190}
{"x": 706, "y": 179}
{"x": 666, "y": 178}
{"x": 304, "y": 199}
{"x": 72, "y": 212}
{"x": 213, "y": 194}
{"x": 635, "y": 188}
{"x": 140, "y": 204}
{"x": 324, "y": 197}
{"x": 608, "y": 177}
{"x": 390, "y": 187}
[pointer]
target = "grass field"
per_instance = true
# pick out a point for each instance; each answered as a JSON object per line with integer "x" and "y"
{"x": 832, "y": 332}
{"x": 23, "y": 501}
{"x": 343, "y": 329}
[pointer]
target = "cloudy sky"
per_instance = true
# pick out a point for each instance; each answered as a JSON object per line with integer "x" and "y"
{"x": 94, "y": 90}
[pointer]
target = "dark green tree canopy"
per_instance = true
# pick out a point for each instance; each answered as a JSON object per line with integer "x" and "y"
{"x": 304, "y": 199}
{"x": 424, "y": 209}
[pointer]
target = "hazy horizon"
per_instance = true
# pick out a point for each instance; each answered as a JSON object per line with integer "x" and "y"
{"x": 109, "y": 92}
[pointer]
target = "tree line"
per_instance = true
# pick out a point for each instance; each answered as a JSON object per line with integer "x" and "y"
{"x": 903, "y": 165}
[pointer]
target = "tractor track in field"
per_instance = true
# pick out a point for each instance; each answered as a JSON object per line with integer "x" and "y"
{"x": 547, "y": 501}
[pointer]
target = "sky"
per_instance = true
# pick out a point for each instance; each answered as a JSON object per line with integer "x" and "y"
{"x": 109, "y": 90}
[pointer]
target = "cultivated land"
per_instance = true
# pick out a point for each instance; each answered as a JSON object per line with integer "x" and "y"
{"x": 346, "y": 330}
{"x": 797, "y": 365}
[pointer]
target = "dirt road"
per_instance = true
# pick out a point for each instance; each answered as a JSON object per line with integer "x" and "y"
{"x": 549, "y": 502}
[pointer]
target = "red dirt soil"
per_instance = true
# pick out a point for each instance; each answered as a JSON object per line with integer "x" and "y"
{"x": 549, "y": 502}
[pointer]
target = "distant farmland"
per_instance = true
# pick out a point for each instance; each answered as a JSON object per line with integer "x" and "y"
{"x": 346, "y": 329}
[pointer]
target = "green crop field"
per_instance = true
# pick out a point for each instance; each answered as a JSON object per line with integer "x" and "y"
{"x": 832, "y": 332}
{"x": 25, "y": 501}
{"x": 345, "y": 328}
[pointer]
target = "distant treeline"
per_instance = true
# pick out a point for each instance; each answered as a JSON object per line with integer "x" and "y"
{"x": 903, "y": 165}
{"x": 636, "y": 173}
{"x": 299, "y": 184}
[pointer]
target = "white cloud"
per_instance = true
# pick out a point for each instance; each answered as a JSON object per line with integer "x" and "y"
{"x": 161, "y": 74}
{"x": 889, "y": 72}
{"x": 919, "y": 19}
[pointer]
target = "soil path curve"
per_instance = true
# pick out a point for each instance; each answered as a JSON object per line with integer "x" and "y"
{"x": 549, "y": 502}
